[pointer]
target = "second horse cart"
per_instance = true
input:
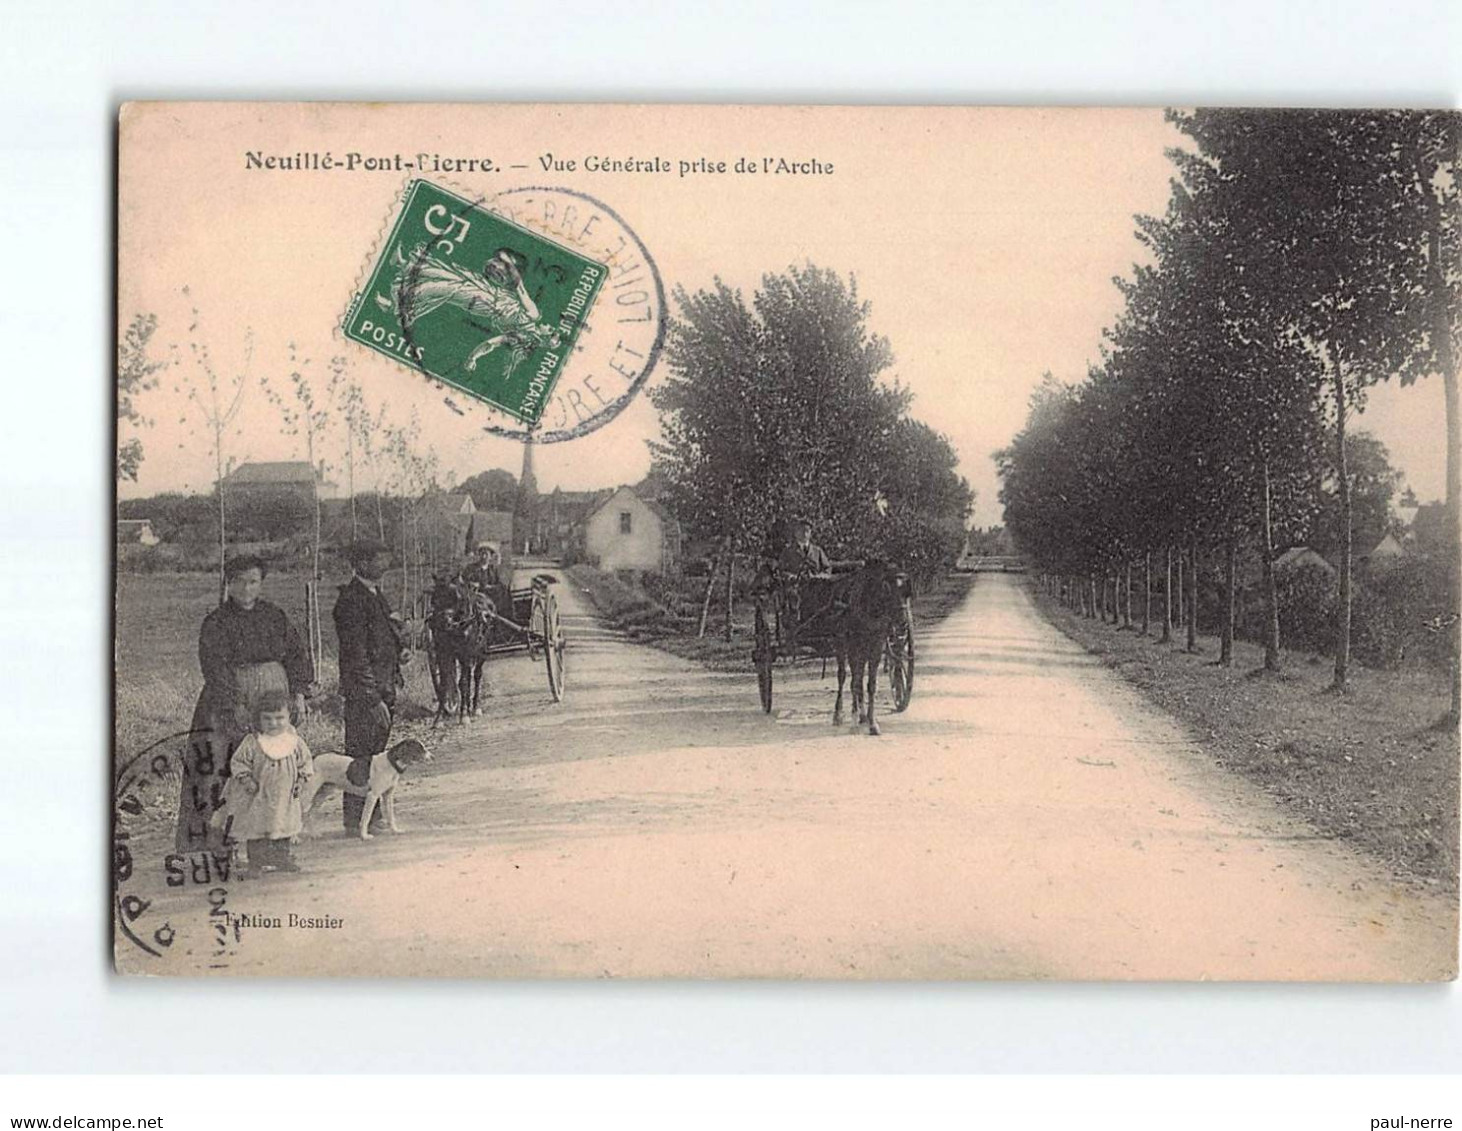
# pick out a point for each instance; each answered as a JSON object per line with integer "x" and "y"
{"x": 798, "y": 620}
{"x": 466, "y": 624}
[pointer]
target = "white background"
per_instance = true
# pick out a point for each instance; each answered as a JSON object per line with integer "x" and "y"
{"x": 64, "y": 69}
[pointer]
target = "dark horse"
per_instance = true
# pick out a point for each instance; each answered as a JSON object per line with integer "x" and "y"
{"x": 461, "y": 629}
{"x": 870, "y": 603}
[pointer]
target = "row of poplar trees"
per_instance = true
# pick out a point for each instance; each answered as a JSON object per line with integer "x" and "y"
{"x": 1304, "y": 256}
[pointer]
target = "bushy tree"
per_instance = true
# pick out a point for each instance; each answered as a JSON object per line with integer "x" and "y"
{"x": 779, "y": 407}
{"x": 136, "y": 373}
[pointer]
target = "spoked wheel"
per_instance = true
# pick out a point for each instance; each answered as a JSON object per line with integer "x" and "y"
{"x": 762, "y": 657}
{"x": 544, "y": 625}
{"x": 898, "y": 662}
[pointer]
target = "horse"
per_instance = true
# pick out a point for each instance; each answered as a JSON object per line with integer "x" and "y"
{"x": 461, "y": 627}
{"x": 870, "y": 602}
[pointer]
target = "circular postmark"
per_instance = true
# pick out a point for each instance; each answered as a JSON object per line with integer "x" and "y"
{"x": 541, "y": 302}
{"x": 144, "y": 882}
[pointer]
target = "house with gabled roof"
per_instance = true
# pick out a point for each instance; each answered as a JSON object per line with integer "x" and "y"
{"x": 624, "y": 531}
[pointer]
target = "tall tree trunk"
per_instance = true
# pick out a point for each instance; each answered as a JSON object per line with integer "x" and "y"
{"x": 1192, "y": 642}
{"x": 1271, "y": 586}
{"x": 1093, "y": 585}
{"x": 730, "y": 586}
{"x": 1442, "y": 330}
{"x": 1182, "y": 606}
{"x": 1230, "y": 587}
{"x": 222, "y": 516}
{"x": 405, "y": 560}
{"x": 1146, "y": 592}
{"x": 1127, "y": 597}
{"x": 350, "y": 481}
{"x": 1342, "y": 472}
{"x": 1167, "y": 596}
{"x": 706, "y": 601}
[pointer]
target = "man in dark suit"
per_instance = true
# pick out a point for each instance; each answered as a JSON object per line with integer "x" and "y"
{"x": 370, "y": 668}
{"x": 802, "y": 557}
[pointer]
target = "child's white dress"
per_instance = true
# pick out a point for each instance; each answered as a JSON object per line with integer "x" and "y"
{"x": 263, "y": 793}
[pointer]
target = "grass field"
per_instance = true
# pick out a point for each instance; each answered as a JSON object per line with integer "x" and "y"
{"x": 1371, "y": 767}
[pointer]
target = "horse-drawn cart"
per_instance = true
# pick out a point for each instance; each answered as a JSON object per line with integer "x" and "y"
{"x": 808, "y": 618}
{"x": 467, "y": 623}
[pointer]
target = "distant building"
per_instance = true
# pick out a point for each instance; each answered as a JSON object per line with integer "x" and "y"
{"x": 497, "y": 527}
{"x": 561, "y": 517}
{"x": 1384, "y": 553}
{"x": 136, "y": 531}
{"x": 627, "y": 532}
{"x": 289, "y": 476}
{"x": 447, "y": 527}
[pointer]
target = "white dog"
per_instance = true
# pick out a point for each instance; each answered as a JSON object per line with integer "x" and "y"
{"x": 386, "y": 770}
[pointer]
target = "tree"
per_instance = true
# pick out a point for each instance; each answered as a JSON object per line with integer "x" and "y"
{"x": 1433, "y": 152}
{"x": 919, "y": 513}
{"x": 135, "y": 375}
{"x": 492, "y": 490}
{"x": 1329, "y": 225}
{"x": 1374, "y": 483}
{"x": 307, "y": 411}
{"x": 779, "y": 408}
{"x": 218, "y": 400}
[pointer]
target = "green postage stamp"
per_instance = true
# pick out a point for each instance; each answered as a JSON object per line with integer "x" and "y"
{"x": 474, "y": 300}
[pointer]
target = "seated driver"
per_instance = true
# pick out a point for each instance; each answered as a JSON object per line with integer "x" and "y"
{"x": 802, "y": 557}
{"x": 483, "y": 568}
{"x": 801, "y": 560}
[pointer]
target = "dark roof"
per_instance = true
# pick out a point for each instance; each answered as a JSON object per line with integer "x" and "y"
{"x": 290, "y": 471}
{"x": 659, "y": 511}
{"x": 493, "y": 526}
{"x": 454, "y": 504}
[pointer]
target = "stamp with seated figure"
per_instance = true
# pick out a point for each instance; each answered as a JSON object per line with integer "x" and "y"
{"x": 471, "y": 298}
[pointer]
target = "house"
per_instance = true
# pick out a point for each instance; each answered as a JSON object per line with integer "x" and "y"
{"x": 495, "y": 526}
{"x": 446, "y": 526}
{"x": 1387, "y": 552}
{"x": 561, "y": 516}
{"x": 1302, "y": 557}
{"x": 136, "y": 531}
{"x": 285, "y": 477}
{"x": 627, "y": 532}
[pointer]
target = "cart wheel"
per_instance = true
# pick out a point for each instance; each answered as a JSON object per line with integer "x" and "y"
{"x": 553, "y": 643}
{"x": 762, "y": 657}
{"x": 898, "y": 661}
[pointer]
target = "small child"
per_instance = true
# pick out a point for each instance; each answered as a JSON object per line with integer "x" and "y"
{"x": 268, "y": 769}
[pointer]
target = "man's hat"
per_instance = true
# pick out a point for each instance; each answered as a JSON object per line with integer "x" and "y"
{"x": 798, "y": 523}
{"x": 493, "y": 546}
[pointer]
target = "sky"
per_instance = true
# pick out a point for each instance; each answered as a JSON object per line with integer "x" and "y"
{"x": 986, "y": 242}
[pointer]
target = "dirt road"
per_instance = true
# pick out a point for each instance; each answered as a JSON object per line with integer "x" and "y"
{"x": 1029, "y": 816}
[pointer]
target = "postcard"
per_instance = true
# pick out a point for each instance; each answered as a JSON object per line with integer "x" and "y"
{"x": 786, "y": 542}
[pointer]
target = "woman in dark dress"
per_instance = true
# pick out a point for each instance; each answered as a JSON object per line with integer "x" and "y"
{"x": 246, "y": 646}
